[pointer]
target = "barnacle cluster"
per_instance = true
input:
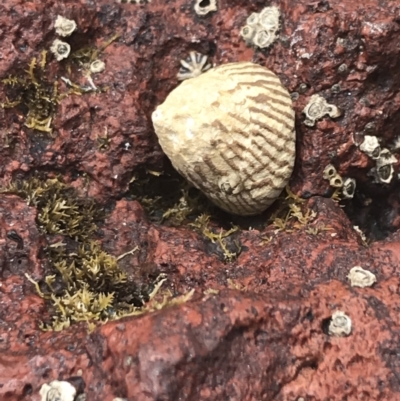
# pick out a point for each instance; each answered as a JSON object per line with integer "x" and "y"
{"x": 34, "y": 94}
{"x": 193, "y": 66}
{"x": 261, "y": 28}
{"x": 347, "y": 184}
{"x": 316, "y": 108}
{"x": 84, "y": 282}
{"x": 203, "y": 7}
{"x": 383, "y": 171}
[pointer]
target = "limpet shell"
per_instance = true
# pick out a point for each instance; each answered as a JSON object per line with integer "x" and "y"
{"x": 230, "y": 132}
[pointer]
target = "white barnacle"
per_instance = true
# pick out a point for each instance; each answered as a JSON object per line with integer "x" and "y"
{"x": 317, "y": 107}
{"x": 57, "y": 391}
{"x": 340, "y": 325}
{"x": 247, "y": 33}
{"x": 262, "y": 39}
{"x": 64, "y": 26}
{"x": 261, "y": 28}
{"x": 253, "y": 19}
{"x": 370, "y": 146}
{"x": 382, "y": 175}
{"x": 360, "y": 277}
{"x": 383, "y": 172}
{"x": 97, "y": 66}
{"x": 385, "y": 157}
{"x": 349, "y": 188}
{"x": 60, "y": 49}
{"x": 336, "y": 181}
{"x": 193, "y": 66}
{"x": 269, "y": 18}
{"x": 329, "y": 172}
{"x": 203, "y": 7}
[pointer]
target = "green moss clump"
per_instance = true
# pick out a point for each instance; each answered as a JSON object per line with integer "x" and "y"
{"x": 35, "y": 95}
{"x": 84, "y": 282}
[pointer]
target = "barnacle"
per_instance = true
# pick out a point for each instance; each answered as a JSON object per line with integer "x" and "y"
{"x": 343, "y": 69}
{"x": 349, "y": 188}
{"x": 385, "y": 157}
{"x": 247, "y": 33}
{"x": 193, "y": 66}
{"x": 383, "y": 172}
{"x": 57, "y": 391}
{"x": 261, "y": 29}
{"x": 64, "y": 26}
{"x": 361, "y": 278}
{"x": 60, "y": 49}
{"x": 87, "y": 59}
{"x": 203, "y": 7}
{"x": 329, "y": 172}
{"x": 340, "y": 325}
{"x": 370, "y": 146}
{"x": 262, "y": 39}
{"x": 253, "y": 19}
{"x": 97, "y": 66}
{"x": 269, "y": 18}
{"x": 336, "y": 181}
{"x": 316, "y": 108}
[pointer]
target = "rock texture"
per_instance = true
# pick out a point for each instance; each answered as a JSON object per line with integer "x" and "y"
{"x": 256, "y": 327}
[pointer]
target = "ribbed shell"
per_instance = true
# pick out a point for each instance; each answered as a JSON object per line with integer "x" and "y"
{"x": 230, "y": 132}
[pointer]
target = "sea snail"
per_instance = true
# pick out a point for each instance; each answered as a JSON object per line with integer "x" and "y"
{"x": 230, "y": 132}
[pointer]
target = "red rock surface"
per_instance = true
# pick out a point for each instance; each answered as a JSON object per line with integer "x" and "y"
{"x": 261, "y": 335}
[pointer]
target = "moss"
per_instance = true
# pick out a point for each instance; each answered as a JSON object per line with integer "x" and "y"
{"x": 167, "y": 198}
{"x": 35, "y": 91}
{"x": 34, "y": 94}
{"x": 228, "y": 246}
{"x": 83, "y": 282}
